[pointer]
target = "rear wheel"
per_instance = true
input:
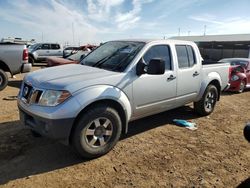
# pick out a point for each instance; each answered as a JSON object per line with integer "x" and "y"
{"x": 3, "y": 80}
{"x": 97, "y": 131}
{"x": 206, "y": 105}
{"x": 242, "y": 86}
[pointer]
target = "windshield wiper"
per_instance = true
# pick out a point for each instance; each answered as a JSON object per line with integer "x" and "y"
{"x": 120, "y": 65}
{"x": 103, "y": 60}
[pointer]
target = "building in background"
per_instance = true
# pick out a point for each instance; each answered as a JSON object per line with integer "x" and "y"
{"x": 216, "y": 47}
{"x": 19, "y": 40}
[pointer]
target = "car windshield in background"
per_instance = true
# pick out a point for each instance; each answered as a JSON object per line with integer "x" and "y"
{"x": 114, "y": 55}
{"x": 241, "y": 63}
{"x": 77, "y": 56}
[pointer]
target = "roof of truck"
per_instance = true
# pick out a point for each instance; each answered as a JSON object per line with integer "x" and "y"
{"x": 153, "y": 40}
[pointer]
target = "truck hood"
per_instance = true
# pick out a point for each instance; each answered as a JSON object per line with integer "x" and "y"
{"x": 72, "y": 77}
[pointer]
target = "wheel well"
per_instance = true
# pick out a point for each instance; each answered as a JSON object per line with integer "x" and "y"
{"x": 216, "y": 83}
{"x": 4, "y": 67}
{"x": 111, "y": 103}
{"x": 31, "y": 55}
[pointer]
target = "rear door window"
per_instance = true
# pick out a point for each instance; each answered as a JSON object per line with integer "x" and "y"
{"x": 185, "y": 55}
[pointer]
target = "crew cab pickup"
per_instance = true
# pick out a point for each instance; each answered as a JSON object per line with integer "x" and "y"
{"x": 89, "y": 105}
{"x": 40, "y": 51}
{"x": 13, "y": 59}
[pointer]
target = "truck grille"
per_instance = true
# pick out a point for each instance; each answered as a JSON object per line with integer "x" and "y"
{"x": 30, "y": 95}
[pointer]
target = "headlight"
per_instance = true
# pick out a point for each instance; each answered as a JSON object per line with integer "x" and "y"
{"x": 235, "y": 77}
{"x": 53, "y": 98}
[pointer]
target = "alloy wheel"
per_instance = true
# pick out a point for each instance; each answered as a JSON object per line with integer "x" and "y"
{"x": 98, "y": 132}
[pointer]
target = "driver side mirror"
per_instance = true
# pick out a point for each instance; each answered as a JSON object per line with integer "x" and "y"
{"x": 155, "y": 66}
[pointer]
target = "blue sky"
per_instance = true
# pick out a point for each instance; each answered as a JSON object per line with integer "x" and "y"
{"x": 94, "y": 21}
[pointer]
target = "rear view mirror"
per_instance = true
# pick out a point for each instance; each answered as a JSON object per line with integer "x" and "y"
{"x": 156, "y": 67}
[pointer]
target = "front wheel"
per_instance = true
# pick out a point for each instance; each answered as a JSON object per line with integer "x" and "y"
{"x": 3, "y": 80}
{"x": 97, "y": 131}
{"x": 206, "y": 104}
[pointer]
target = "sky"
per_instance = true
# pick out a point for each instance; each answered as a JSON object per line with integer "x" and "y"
{"x": 93, "y": 21}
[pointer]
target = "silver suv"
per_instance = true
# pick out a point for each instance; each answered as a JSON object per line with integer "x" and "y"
{"x": 40, "y": 51}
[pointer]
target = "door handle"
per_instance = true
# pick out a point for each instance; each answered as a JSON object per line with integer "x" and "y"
{"x": 171, "y": 77}
{"x": 196, "y": 73}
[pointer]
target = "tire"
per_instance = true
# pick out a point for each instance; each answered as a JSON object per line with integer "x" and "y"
{"x": 246, "y": 132}
{"x": 35, "y": 134}
{"x": 3, "y": 80}
{"x": 97, "y": 132}
{"x": 31, "y": 60}
{"x": 206, "y": 104}
{"x": 242, "y": 86}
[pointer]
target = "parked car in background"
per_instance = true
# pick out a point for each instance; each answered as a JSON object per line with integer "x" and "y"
{"x": 70, "y": 50}
{"x": 72, "y": 59}
{"x": 239, "y": 73}
{"x": 90, "y": 104}
{"x": 40, "y": 51}
{"x": 13, "y": 59}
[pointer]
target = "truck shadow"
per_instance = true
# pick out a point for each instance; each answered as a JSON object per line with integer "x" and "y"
{"x": 15, "y": 83}
{"x": 160, "y": 119}
{"x": 22, "y": 155}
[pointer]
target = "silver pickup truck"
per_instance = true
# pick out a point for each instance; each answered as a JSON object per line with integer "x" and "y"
{"x": 41, "y": 51}
{"x": 89, "y": 105}
{"x": 13, "y": 59}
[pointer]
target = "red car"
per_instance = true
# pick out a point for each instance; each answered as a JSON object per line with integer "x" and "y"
{"x": 72, "y": 59}
{"x": 239, "y": 73}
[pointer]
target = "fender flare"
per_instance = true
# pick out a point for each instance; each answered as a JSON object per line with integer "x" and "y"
{"x": 213, "y": 78}
{"x": 101, "y": 93}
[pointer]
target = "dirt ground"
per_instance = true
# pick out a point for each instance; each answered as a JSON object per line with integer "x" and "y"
{"x": 155, "y": 152}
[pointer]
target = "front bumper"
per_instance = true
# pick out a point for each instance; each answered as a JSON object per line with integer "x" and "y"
{"x": 234, "y": 85}
{"x": 26, "y": 67}
{"x": 227, "y": 87}
{"x": 58, "y": 129}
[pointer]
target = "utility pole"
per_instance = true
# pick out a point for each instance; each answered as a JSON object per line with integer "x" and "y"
{"x": 205, "y": 30}
{"x": 73, "y": 33}
{"x": 179, "y": 31}
{"x": 189, "y": 33}
{"x": 42, "y": 36}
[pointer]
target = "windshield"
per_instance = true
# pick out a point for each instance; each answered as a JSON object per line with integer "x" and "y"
{"x": 77, "y": 56}
{"x": 114, "y": 55}
{"x": 241, "y": 63}
{"x": 32, "y": 46}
